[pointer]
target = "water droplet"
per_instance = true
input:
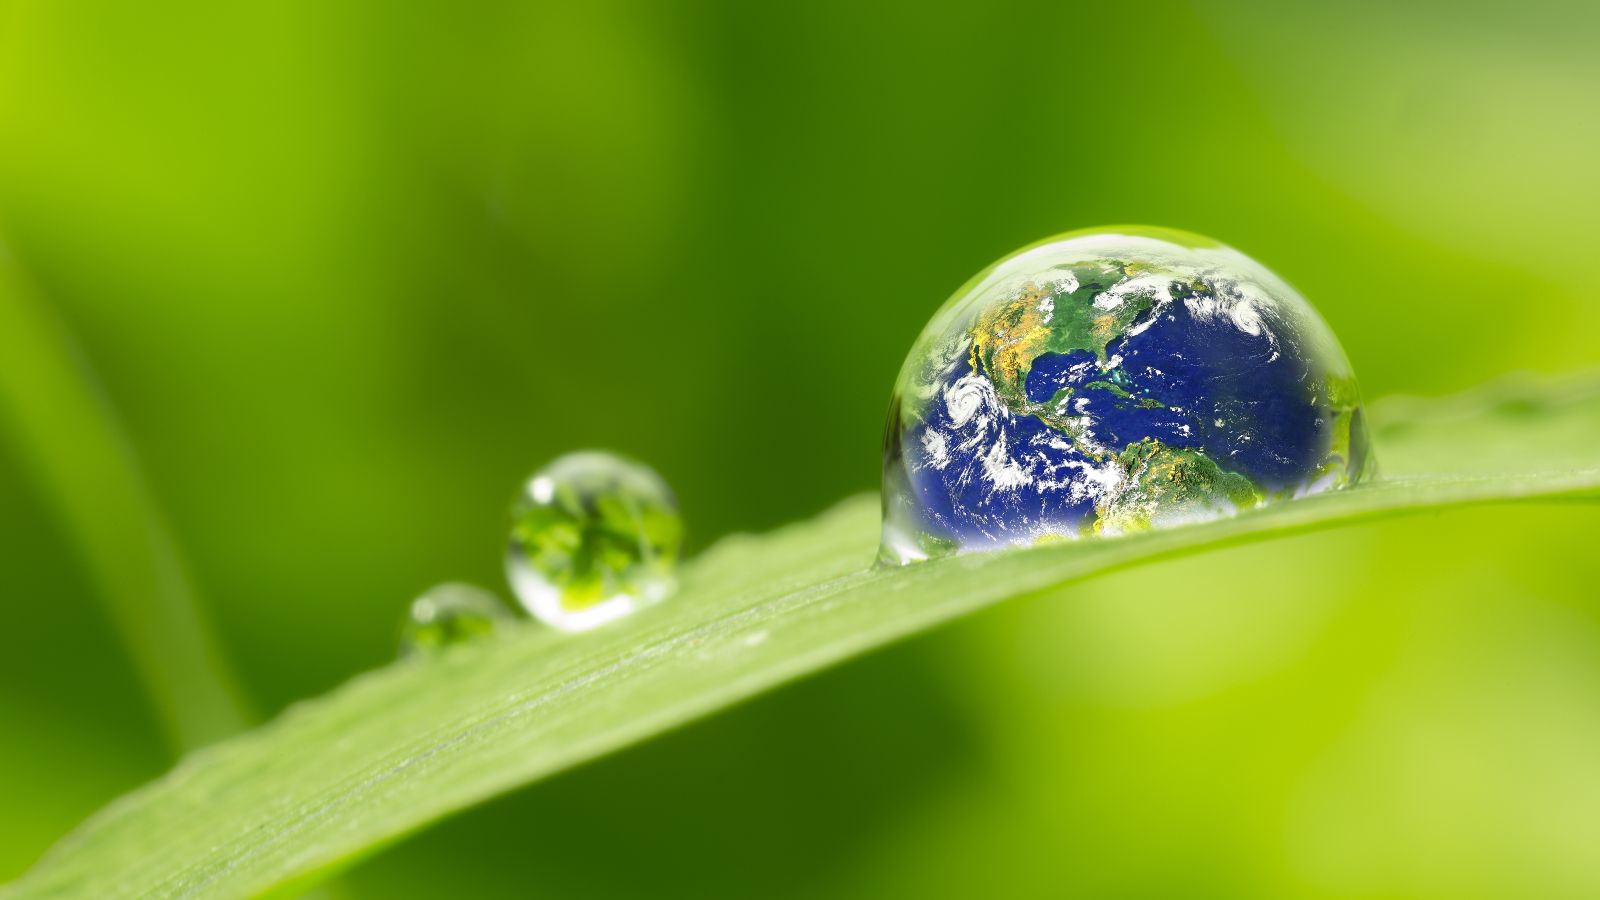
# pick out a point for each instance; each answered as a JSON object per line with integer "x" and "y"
{"x": 1102, "y": 382}
{"x": 593, "y": 537}
{"x": 450, "y": 614}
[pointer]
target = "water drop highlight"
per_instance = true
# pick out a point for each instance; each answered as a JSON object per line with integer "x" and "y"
{"x": 593, "y": 537}
{"x": 1110, "y": 381}
{"x": 450, "y": 614}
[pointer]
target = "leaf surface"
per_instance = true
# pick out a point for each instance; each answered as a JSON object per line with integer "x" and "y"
{"x": 393, "y": 750}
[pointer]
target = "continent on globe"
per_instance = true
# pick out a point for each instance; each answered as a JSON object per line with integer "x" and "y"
{"x": 1108, "y": 381}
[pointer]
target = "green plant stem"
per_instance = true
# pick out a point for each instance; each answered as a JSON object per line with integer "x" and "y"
{"x": 70, "y": 438}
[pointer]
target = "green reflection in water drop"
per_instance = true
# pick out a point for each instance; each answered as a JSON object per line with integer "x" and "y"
{"x": 450, "y": 614}
{"x": 594, "y": 536}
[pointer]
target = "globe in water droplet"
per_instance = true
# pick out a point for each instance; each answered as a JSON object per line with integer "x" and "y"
{"x": 1110, "y": 381}
{"x": 593, "y": 537}
{"x": 450, "y": 614}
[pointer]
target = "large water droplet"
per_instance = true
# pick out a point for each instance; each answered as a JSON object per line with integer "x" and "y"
{"x": 450, "y": 614}
{"x": 1103, "y": 382}
{"x": 593, "y": 537}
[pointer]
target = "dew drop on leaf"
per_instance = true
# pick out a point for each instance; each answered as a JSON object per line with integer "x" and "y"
{"x": 1110, "y": 381}
{"x": 450, "y": 614}
{"x": 593, "y": 537}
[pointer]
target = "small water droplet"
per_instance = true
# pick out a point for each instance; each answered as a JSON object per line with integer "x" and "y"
{"x": 593, "y": 537}
{"x": 1174, "y": 380}
{"x": 450, "y": 614}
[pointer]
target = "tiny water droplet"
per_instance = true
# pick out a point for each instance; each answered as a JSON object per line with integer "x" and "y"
{"x": 593, "y": 537}
{"x": 1102, "y": 382}
{"x": 450, "y": 614}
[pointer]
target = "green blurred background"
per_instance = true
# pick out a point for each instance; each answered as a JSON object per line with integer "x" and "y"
{"x": 350, "y": 270}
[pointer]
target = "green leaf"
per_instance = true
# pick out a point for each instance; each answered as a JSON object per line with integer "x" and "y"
{"x": 335, "y": 778}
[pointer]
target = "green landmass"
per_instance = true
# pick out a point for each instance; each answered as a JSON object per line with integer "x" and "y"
{"x": 1010, "y": 336}
{"x": 1115, "y": 389}
{"x": 1169, "y": 483}
{"x": 1121, "y": 393}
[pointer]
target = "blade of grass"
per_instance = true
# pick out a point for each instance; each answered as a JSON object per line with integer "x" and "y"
{"x": 339, "y": 777}
{"x": 76, "y": 449}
